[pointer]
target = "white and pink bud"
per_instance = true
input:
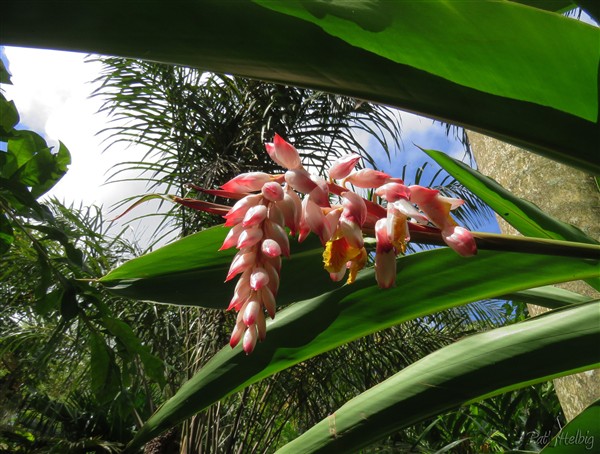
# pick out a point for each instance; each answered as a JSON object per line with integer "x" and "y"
{"x": 392, "y": 192}
{"x": 461, "y": 240}
{"x": 268, "y": 300}
{"x": 320, "y": 194}
{"x": 315, "y": 219}
{"x": 355, "y": 208}
{"x": 231, "y": 239}
{"x": 237, "y": 333}
{"x": 343, "y": 166}
{"x": 238, "y": 211}
{"x": 300, "y": 180}
{"x": 277, "y": 233}
{"x": 367, "y": 178}
{"x": 247, "y": 182}
{"x": 249, "y": 237}
{"x": 272, "y": 191}
{"x": 259, "y": 278}
{"x": 240, "y": 263}
{"x": 254, "y": 216}
{"x": 283, "y": 153}
{"x": 270, "y": 248}
{"x": 291, "y": 208}
{"x": 250, "y": 338}
{"x": 251, "y": 311}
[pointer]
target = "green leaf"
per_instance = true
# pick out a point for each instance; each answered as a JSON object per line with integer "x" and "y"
{"x": 68, "y": 302}
{"x": 473, "y": 32}
{"x": 581, "y": 435}
{"x": 153, "y": 366}
{"x": 549, "y": 296}
{"x": 526, "y": 217}
{"x": 4, "y": 76}
{"x": 9, "y": 117}
{"x": 6, "y": 234}
{"x": 427, "y": 282}
{"x": 105, "y": 374}
{"x": 448, "y": 59}
{"x": 480, "y": 366}
{"x": 191, "y": 271}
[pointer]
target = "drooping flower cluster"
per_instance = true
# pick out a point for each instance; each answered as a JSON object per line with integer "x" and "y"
{"x": 270, "y": 204}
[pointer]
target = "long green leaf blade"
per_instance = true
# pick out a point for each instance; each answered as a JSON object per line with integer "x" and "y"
{"x": 491, "y": 92}
{"x": 523, "y": 215}
{"x": 471, "y": 369}
{"x": 191, "y": 271}
{"x": 427, "y": 282}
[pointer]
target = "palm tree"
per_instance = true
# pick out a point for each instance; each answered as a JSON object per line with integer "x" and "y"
{"x": 205, "y": 128}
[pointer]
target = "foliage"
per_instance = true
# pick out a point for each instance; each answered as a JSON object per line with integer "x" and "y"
{"x": 76, "y": 375}
{"x": 536, "y": 91}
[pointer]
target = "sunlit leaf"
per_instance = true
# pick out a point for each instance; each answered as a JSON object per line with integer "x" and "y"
{"x": 480, "y": 366}
{"x": 539, "y": 90}
{"x": 427, "y": 282}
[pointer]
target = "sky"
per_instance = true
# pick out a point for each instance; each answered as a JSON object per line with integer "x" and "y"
{"x": 52, "y": 91}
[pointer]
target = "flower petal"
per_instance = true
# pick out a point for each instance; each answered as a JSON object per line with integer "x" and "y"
{"x": 283, "y": 153}
{"x": 342, "y": 167}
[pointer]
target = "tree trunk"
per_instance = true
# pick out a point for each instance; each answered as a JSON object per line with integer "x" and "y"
{"x": 568, "y": 195}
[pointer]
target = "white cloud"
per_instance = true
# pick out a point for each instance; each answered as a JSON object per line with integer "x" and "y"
{"x": 51, "y": 90}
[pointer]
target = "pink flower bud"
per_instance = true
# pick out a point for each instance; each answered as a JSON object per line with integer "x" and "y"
{"x": 247, "y": 182}
{"x": 273, "y": 284}
{"x": 250, "y": 338}
{"x": 461, "y": 240}
{"x": 320, "y": 194}
{"x": 232, "y": 237}
{"x": 236, "y": 334}
{"x": 259, "y": 278}
{"x": 249, "y": 237}
{"x": 270, "y": 248}
{"x": 299, "y": 179}
{"x": 275, "y": 215}
{"x": 277, "y": 233}
{"x": 367, "y": 178}
{"x": 291, "y": 207}
{"x": 266, "y": 297}
{"x": 241, "y": 262}
{"x": 283, "y": 153}
{"x": 342, "y": 167}
{"x": 261, "y": 326}
{"x": 315, "y": 219}
{"x": 355, "y": 208}
{"x": 238, "y": 211}
{"x": 272, "y": 191}
{"x": 393, "y": 192}
{"x": 385, "y": 269}
{"x": 254, "y": 216}
{"x": 241, "y": 293}
{"x": 251, "y": 311}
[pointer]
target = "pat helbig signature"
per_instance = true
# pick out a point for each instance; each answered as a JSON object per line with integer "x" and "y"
{"x": 565, "y": 438}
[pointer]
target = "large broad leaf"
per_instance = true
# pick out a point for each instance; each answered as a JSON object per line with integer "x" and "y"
{"x": 471, "y": 369}
{"x": 427, "y": 282}
{"x": 191, "y": 271}
{"x": 518, "y": 73}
